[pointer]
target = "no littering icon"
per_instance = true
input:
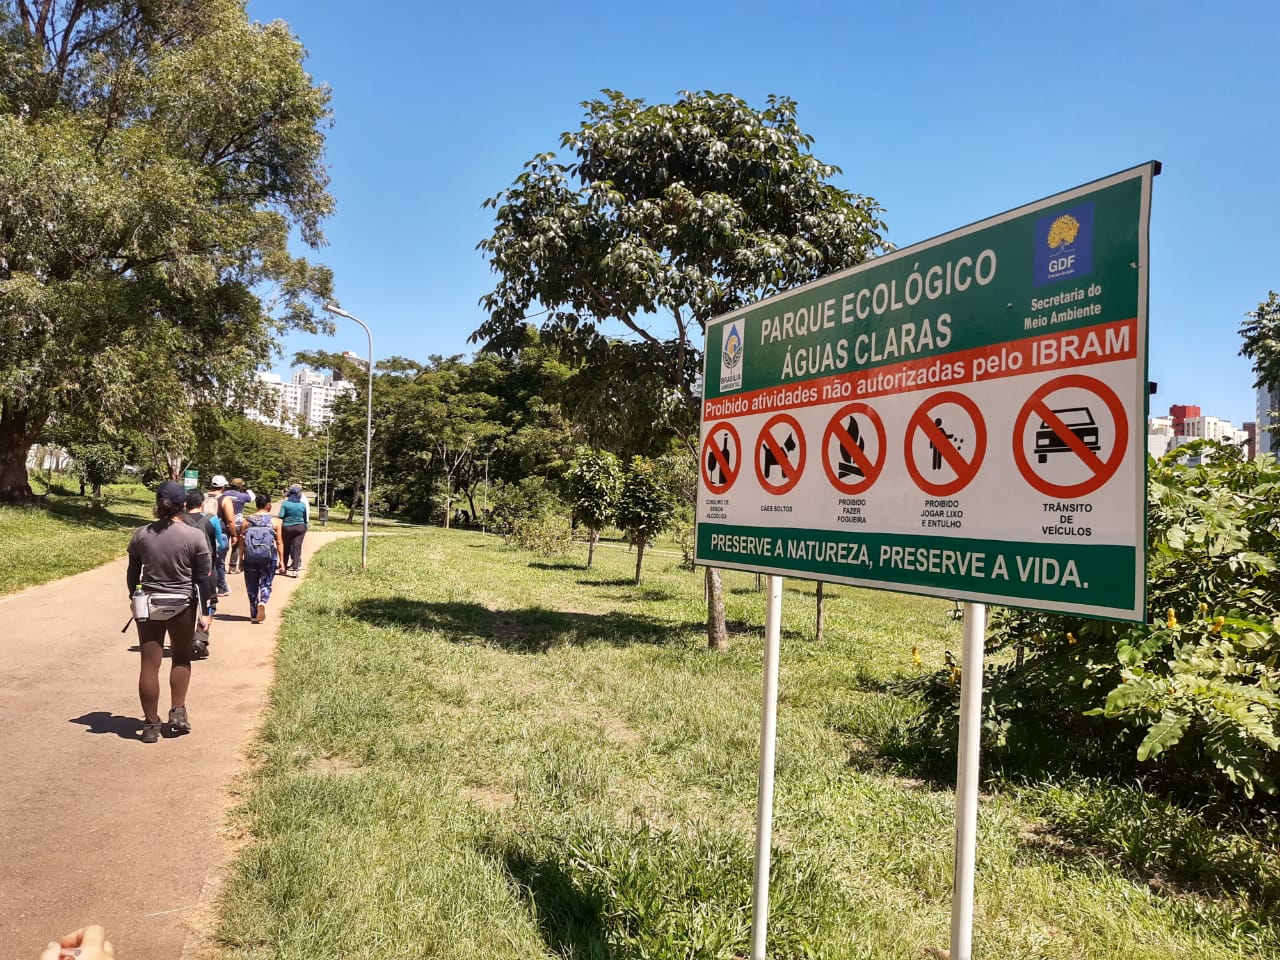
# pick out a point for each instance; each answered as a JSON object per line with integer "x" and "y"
{"x": 945, "y": 444}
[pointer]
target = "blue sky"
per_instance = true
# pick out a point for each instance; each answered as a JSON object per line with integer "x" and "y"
{"x": 946, "y": 113}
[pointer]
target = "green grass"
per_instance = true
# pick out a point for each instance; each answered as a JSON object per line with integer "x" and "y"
{"x": 65, "y": 535}
{"x": 475, "y": 752}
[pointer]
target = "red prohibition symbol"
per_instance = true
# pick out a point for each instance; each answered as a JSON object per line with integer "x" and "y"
{"x": 722, "y": 459}
{"x": 942, "y": 444}
{"x": 1077, "y": 438}
{"x": 780, "y": 454}
{"x": 847, "y": 465}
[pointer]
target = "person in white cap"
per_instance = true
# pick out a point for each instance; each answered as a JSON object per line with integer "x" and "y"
{"x": 212, "y": 496}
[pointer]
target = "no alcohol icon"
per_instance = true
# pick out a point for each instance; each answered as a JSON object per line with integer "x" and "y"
{"x": 721, "y": 457}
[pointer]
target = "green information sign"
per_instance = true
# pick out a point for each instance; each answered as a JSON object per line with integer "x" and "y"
{"x": 191, "y": 479}
{"x": 962, "y": 418}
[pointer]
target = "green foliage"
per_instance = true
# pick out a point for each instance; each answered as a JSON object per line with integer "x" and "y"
{"x": 1196, "y": 691}
{"x": 595, "y": 483}
{"x": 98, "y": 463}
{"x": 266, "y": 457}
{"x": 645, "y": 507}
{"x": 666, "y": 214}
{"x": 1261, "y": 336}
{"x": 154, "y": 159}
{"x": 547, "y": 536}
{"x": 529, "y": 499}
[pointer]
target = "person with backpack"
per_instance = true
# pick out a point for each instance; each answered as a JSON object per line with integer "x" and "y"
{"x": 212, "y": 507}
{"x": 263, "y": 555}
{"x": 205, "y": 523}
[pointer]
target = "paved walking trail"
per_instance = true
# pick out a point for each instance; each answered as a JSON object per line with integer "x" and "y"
{"x": 96, "y": 826}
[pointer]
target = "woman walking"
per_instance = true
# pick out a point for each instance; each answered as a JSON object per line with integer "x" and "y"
{"x": 170, "y": 581}
{"x": 294, "y": 514}
{"x": 263, "y": 553}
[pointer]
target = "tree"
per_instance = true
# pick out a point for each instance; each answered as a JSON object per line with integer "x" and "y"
{"x": 1261, "y": 336}
{"x": 595, "y": 482}
{"x": 645, "y": 508}
{"x": 154, "y": 159}
{"x": 665, "y": 217}
{"x": 96, "y": 464}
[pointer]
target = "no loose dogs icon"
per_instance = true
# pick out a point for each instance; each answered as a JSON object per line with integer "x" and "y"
{"x": 1075, "y": 427}
{"x": 721, "y": 457}
{"x": 853, "y": 448}
{"x": 780, "y": 454}
{"x": 945, "y": 444}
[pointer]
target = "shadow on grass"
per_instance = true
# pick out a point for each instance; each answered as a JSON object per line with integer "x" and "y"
{"x": 557, "y": 565}
{"x": 83, "y": 515}
{"x": 531, "y": 630}
{"x": 569, "y": 919}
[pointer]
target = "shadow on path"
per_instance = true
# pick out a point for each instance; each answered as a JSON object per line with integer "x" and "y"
{"x": 103, "y": 721}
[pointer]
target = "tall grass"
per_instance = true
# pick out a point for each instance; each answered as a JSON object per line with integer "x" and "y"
{"x": 474, "y": 752}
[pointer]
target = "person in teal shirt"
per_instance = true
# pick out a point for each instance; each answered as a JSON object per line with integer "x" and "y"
{"x": 294, "y": 513}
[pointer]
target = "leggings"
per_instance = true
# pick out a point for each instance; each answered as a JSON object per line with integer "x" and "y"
{"x": 293, "y": 546}
{"x": 257, "y": 580}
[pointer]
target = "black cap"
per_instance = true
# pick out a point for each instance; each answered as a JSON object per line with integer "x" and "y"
{"x": 172, "y": 491}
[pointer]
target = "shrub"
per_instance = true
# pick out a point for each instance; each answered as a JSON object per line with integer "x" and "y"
{"x": 1195, "y": 691}
{"x": 548, "y": 536}
{"x": 531, "y": 498}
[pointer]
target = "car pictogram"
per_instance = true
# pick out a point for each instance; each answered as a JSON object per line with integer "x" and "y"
{"x": 1079, "y": 420}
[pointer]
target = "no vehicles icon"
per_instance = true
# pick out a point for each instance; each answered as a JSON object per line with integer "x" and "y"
{"x": 780, "y": 455}
{"x": 853, "y": 448}
{"x": 1075, "y": 428}
{"x": 945, "y": 444}
{"x": 721, "y": 457}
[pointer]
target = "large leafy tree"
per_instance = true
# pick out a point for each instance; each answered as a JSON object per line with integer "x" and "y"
{"x": 662, "y": 217}
{"x": 154, "y": 158}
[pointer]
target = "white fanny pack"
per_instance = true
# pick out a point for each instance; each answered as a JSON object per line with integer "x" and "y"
{"x": 165, "y": 606}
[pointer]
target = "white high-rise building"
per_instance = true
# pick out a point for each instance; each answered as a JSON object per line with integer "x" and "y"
{"x": 306, "y": 399}
{"x": 1268, "y": 404}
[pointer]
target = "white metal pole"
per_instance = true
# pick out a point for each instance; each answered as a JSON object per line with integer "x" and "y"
{"x": 368, "y": 438}
{"x": 768, "y": 741}
{"x": 975, "y": 629}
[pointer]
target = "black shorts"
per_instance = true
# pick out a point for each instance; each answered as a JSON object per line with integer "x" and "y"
{"x": 180, "y": 629}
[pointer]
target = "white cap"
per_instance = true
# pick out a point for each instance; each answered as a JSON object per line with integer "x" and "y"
{"x": 218, "y": 480}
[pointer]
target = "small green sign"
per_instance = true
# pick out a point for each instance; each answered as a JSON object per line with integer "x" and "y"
{"x": 191, "y": 479}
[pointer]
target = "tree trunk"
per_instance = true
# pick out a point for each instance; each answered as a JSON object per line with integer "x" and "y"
{"x": 822, "y": 615}
{"x": 355, "y": 496}
{"x": 591, "y": 546}
{"x": 448, "y": 509}
{"x": 639, "y": 557}
{"x": 16, "y": 438}
{"x": 717, "y": 632}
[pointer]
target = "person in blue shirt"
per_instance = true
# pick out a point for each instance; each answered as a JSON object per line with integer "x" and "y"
{"x": 294, "y": 513}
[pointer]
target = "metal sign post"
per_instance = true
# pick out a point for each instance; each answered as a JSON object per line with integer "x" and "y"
{"x": 975, "y": 629}
{"x": 768, "y": 741}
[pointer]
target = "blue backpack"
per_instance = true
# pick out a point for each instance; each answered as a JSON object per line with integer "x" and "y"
{"x": 260, "y": 540}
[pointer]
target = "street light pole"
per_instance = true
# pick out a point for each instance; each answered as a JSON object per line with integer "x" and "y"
{"x": 368, "y": 436}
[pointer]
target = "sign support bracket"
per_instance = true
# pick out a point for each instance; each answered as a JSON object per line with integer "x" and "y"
{"x": 768, "y": 742}
{"x": 975, "y": 629}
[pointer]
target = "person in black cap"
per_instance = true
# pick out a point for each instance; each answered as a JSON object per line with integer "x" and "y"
{"x": 168, "y": 563}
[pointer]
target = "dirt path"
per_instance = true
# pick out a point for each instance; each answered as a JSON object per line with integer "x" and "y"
{"x": 96, "y": 826}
